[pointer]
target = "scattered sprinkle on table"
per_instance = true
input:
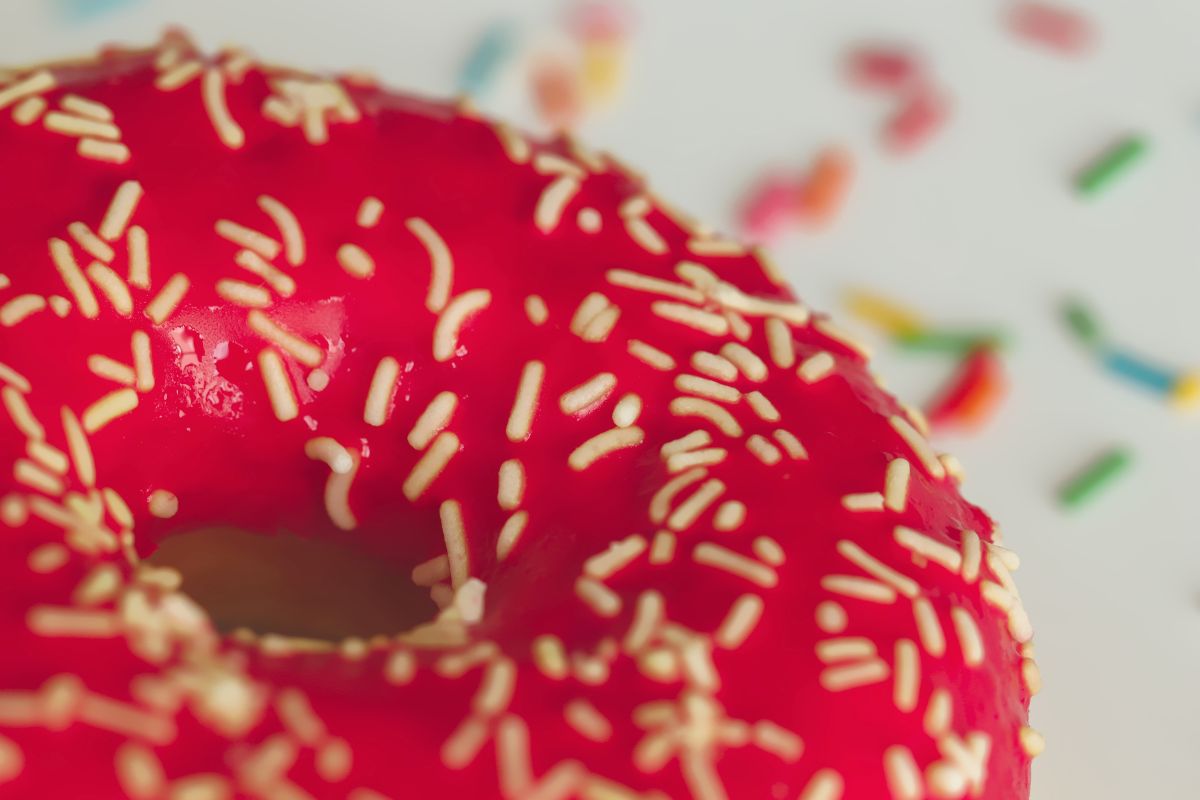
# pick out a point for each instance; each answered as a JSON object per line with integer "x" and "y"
{"x": 1110, "y": 165}
{"x": 1060, "y": 29}
{"x": 882, "y": 67}
{"x": 1082, "y": 322}
{"x": 487, "y": 58}
{"x": 1139, "y": 370}
{"x": 951, "y": 341}
{"x": 973, "y": 393}
{"x": 884, "y": 313}
{"x": 1095, "y": 477}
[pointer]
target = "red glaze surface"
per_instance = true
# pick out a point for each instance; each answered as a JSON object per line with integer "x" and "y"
{"x": 207, "y": 433}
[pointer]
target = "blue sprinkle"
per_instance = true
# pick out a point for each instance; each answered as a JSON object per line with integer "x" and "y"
{"x": 85, "y": 10}
{"x": 493, "y": 49}
{"x": 1136, "y": 370}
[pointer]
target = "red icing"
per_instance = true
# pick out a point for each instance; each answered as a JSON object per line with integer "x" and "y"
{"x": 207, "y": 433}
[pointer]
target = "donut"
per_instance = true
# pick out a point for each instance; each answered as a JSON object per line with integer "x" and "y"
{"x": 363, "y": 447}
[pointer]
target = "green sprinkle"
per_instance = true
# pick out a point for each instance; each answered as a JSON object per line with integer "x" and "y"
{"x": 1096, "y": 476}
{"x": 1082, "y": 323}
{"x": 1111, "y": 163}
{"x": 958, "y": 342}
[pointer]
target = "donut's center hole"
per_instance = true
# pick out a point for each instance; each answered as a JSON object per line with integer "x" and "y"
{"x": 294, "y": 586}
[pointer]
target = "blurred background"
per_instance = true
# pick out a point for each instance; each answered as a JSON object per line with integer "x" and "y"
{"x": 931, "y": 151}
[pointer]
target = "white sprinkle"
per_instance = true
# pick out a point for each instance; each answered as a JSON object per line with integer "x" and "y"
{"x": 647, "y": 283}
{"x": 939, "y": 713}
{"x": 331, "y": 453}
{"x": 162, "y": 504}
{"x": 748, "y": 362}
{"x": 650, "y": 355}
{"x": 877, "y": 569}
{"x": 553, "y": 164}
{"x": 139, "y": 257}
{"x": 29, "y": 110}
{"x": 714, "y": 366}
{"x": 73, "y": 622}
{"x": 289, "y": 228}
{"x": 520, "y": 419}
{"x": 80, "y": 449}
{"x": 903, "y": 775}
{"x": 588, "y": 395}
{"x": 662, "y": 549}
{"x": 255, "y": 264}
{"x": 972, "y": 550}
{"x": 516, "y": 147}
{"x": 401, "y": 668}
{"x": 512, "y": 756}
{"x": 108, "y": 408}
{"x": 954, "y": 467}
{"x": 19, "y": 308}
{"x": 846, "y": 648}
{"x": 854, "y": 675}
{"x": 602, "y": 444}
{"x": 370, "y": 211}
{"x": 895, "y": 491}
{"x": 589, "y": 220}
{"x": 780, "y": 343}
{"x": 86, "y": 108}
{"x": 213, "y": 93}
{"x": 790, "y": 444}
{"x": 703, "y": 387}
{"x": 431, "y": 464}
{"x": 648, "y": 616}
{"x": 553, "y": 202}
{"x": 455, "y": 535}
{"x": 816, "y": 367}
{"x": 660, "y": 503}
{"x": 928, "y": 628}
{"x": 969, "y": 637}
{"x": 453, "y": 317}
{"x": 694, "y": 440}
{"x": 100, "y": 150}
{"x": 248, "y": 238}
{"x": 715, "y": 247}
{"x": 598, "y": 597}
{"x": 646, "y": 236}
{"x": 919, "y": 445}
{"x": 71, "y": 125}
{"x": 356, "y": 261}
{"x": 163, "y": 305}
{"x": 279, "y": 385}
{"x": 907, "y": 664}
{"x": 762, "y": 407}
{"x": 511, "y": 485}
{"x": 859, "y": 588}
{"x": 718, "y": 416}
{"x": 769, "y": 551}
{"x": 139, "y": 771}
{"x": 177, "y": 76}
{"x": 616, "y": 557}
{"x": 464, "y": 743}
{"x": 627, "y": 411}
{"x": 722, "y": 558}
{"x": 496, "y": 689}
{"x": 35, "y": 477}
{"x": 928, "y": 547}
{"x": 48, "y": 456}
{"x": 243, "y": 294}
{"x": 696, "y": 458}
{"x": 300, "y": 349}
{"x": 740, "y": 622}
{"x": 595, "y": 318}
{"x": 22, "y": 416}
{"x": 72, "y": 276}
{"x": 692, "y": 317}
{"x": 763, "y": 450}
{"x": 378, "y": 406}
{"x": 842, "y": 337}
{"x": 93, "y": 244}
{"x": 778, "y": 741}
{"x": 433, "y": 419}
{"x": 587, "y": 721}
{"x": 435, "y": 570}
{"x": 1032, "y": 742}
{"x": 730, "y": 515}
{"x": 535, "y": 309}
{"x": 687, "y": 512}
{"x": 550, "y": 657}
{"x": 112, "y": 287}
{"x": 868, "y": 501}
{"x": 17, "y": 380}
{"x": 831, "y": 617}
{"x": 37, "y": 83}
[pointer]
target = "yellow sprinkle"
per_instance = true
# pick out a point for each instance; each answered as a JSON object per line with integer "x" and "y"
{"x": 883, "y": 313}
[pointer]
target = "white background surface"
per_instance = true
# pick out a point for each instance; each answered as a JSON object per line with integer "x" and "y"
{"x": 981, "y": 226}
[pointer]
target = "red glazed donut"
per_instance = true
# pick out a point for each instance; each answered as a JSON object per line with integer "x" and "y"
{"x": 626, "y": 520}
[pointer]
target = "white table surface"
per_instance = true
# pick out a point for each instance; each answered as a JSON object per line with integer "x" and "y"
{"x": 980, "y": 226}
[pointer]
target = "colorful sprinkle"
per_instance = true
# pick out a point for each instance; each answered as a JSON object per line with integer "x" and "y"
{"x": 1082, "y": 322}
{"x": 919, "y": 118}
{"x": 1057, "y": 28}
{"x": 973, "y": 394}
{"x": 486, "y": 59}
{"x": 1185, "y": 393}
{"x": 827, "y": 184}
{"x": 770, "y": 207}
{"x": 883, "y": 313}
{"x": 1137, "y": 370}
{"x": 951, "y": 341}
{"x": 1095, "y": 477}
{"x": 1110, "y": 164}
{"x": 882, "y": 67}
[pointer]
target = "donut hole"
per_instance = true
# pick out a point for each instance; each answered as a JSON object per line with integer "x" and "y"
{"x": 290, "y": 585}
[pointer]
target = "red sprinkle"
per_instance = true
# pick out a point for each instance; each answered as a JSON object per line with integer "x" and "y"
{"x": 882, "y": 68}
{"x": 973, "y": 394}
{"x": 557, "y": 92}
{"x": 601, "y": 20}
{"x": 920, "y": 116}
{"x": 770, "y": 206}
{"x": 1058, "y": 28}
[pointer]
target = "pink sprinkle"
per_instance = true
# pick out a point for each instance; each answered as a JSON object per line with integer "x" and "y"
{"x": 770, "y": 207}
{"x": 922, "y": 113}
{"x": 601, "y": 20}
{"x": 1058, "y": 28}
{"x": 882, "y": 68}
